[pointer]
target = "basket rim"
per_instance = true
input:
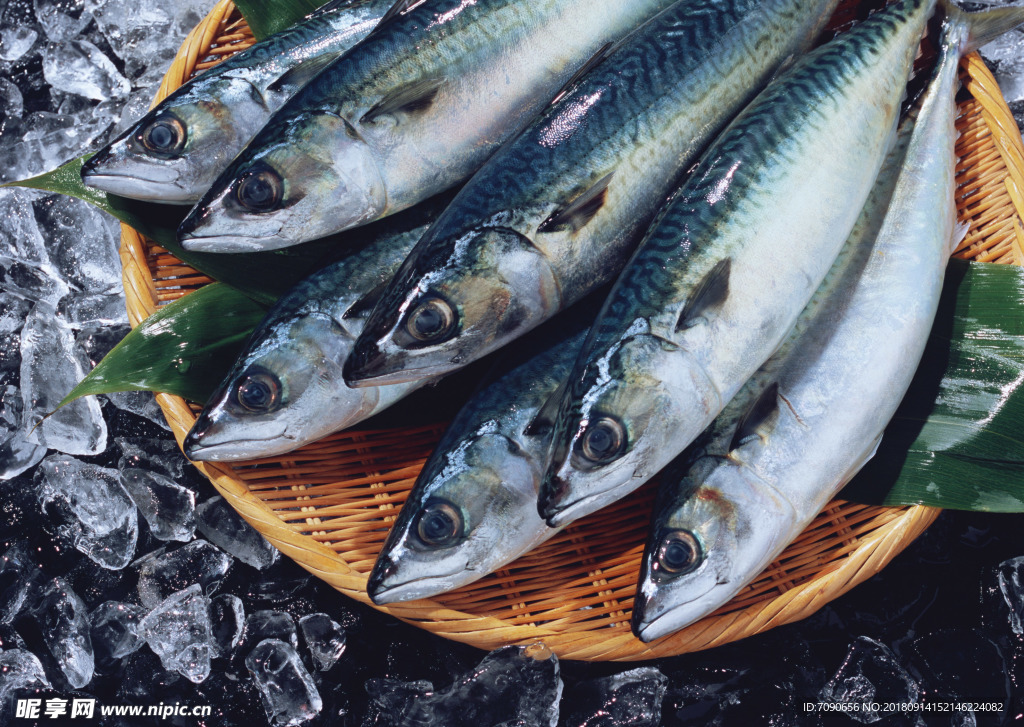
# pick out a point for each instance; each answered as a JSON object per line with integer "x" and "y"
{"x": 873, "y": 552}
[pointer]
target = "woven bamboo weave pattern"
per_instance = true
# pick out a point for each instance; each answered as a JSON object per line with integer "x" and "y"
{"x": 329, "y": 505}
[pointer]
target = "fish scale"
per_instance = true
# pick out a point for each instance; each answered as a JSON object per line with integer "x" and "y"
{"x": 739, "y": 252}
{"x": 635, "y": 122}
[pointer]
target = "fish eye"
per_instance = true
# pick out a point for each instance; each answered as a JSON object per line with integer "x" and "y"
{"x": 603, "y": 441}
{"x": 679, "y": 553}
{"x": 431, "y": 321}
{"x": 164, "y": 136}
{"x": 260, "y": 190}
{"x": 259, "y": 392}
{"x": 439, "y": 525}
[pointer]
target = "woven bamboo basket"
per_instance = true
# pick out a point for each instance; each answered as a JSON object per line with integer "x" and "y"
{"x": 329, "y": 505}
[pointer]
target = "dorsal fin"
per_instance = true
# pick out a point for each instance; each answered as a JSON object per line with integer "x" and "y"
{"x": 416, "y": 96}
{"x": 402, "y": 6}
{"x": 759, "y": 419}
{"x": 581, "y": 210}
{"x": 330, "y": 7}
{"x": 298, "y": 76}
{"x": 545, "y": 417}
{"x": 583, "y": 70}
{"x": 366, "y": 303}
{"x": 709, "y": 293}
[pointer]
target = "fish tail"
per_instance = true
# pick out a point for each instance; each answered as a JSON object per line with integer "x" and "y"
{"x": 982, "y": 27}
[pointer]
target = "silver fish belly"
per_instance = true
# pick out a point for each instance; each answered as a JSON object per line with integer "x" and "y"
{"x": 177, "y": 150}
{"x": 412, "y": 110}
{"x": 720, "y": 279}
{"x": 474, "y": 506}
{"x": 557, "y": 211}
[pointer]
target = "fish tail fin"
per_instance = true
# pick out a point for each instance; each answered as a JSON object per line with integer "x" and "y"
{"x": 984, "y": 26}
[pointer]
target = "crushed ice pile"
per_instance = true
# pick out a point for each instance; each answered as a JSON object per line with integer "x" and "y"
{"x": 124, "y": 579}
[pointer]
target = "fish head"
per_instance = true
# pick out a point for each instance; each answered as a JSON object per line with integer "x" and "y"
{"x": 297, "y": 181}
{"x": 620, "y": 425}
{"x": 491, "y": 286}
{"x": 708, "y": 542}
{"x": 175, "y": 152}
{"x": 285, "y": 391}
{"x": 467, "y": 513}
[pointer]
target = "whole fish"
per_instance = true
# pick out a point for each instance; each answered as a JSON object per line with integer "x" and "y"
{"x": 557, "y": 211}
{"x": 811, "y": 417}
{"x": 177, "y": 150}
{"x": 414, "y": 109}
{"x": 286, "y": 389}
{"x": 474, "y": 506}
{"x": 724, "y": 273}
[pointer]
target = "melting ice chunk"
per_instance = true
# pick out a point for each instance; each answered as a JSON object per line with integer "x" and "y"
{"x": 19, "y": 669}
{"x": 16, "y": 454}
{"x": 178, "y": 630}
{"x": 289, "y": 694}
{"x": 227, "y": 614}
{"x": 631, "y": 698}
{"x": 50, "y": 368}
{"x": 82, "y": 243}
{"x": 80, "y": 68}
{"x": 15, "y": 42}
{"x": 224, "y": 527}
{"x": 325, "y": 639}
{"x": 163, "y": 572}
{"x": 870, "y": 674}
{"x": 115, "y": 629}
{"x": 168, "y": 507}
{"x": 263, "y": 625}
{"x": 64, "y": 624}
{"x": 61, "y": 19}
{"x": 90, "y": 507}
{"x": 1011, "y": 586}
{"x": 513, "y": 685}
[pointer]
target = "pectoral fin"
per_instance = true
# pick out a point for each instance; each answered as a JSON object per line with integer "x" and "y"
{"x": 409, "y": 99}
{"x": 581, "y": 210}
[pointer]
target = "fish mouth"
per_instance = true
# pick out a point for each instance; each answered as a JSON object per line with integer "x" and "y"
{"x": 559, "y": 514}
{"x": 360, "y": 372}
{"x": 228, "y": 243}
{"x": 382, "y": 593}
{"x": 235, "y": 450}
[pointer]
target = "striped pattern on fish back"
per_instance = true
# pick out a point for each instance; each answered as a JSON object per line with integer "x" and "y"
{"x": 744, "y": 158}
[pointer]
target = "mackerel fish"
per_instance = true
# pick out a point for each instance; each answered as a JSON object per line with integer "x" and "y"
{"x": 558, "y": 210}
{"x": 473, "y": 508}
{"x": 175, "y": 152}
{"x": 286, "y": 388}
{"x": 722, "y": 276}
{"x": 815, "y": 412}
{"x": 414, "y": 109}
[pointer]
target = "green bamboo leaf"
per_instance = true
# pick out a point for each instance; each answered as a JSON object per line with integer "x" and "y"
{"x": 186, "y": 348}
{"x": 957, "y": 440}
{"x": 266, "y": 17}
{"x": 263, "y": 276}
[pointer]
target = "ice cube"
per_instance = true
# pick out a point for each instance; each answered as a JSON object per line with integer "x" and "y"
{"x": 85, "y": 310}
{"x": 20, "y": 238}
{"x": 163, "y": 572}
{"x": 325, "y": 639}
{"x": 115, "y": 629}
{"x": 227, "y": 614}
{"x": 19, "y": 669}
{"x": 91, "y": 509}
{"x": 64, "y": 625}
{"x": 146, "y": 36}
{"x": 1011, "y": 586}
{"x": 168, "y": 507}
{"x": 156, "y": 455}
{"x": 49, "y": 140}
{"x": 50, "y": 368}
{"x": 513, "y": 685}
{"x": 61, "y": 19}
{"x": 263, "y": 625}
{"x": 19, "y": 575}
{"x": 869, "y": 675}
{"x": 178, "y": 630}
{"x": 79, "y": 67}
{"x": 224, "y": 527}
{"x": 630, "y": 699}
{"x": 16, "y": 454}
{"x": 82, "y": 243}
{"x": 16, "y": 41}
{"x": 32, "y": 281}
{"x": 140, "y": 403}
{"x": 289, "y": 694}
